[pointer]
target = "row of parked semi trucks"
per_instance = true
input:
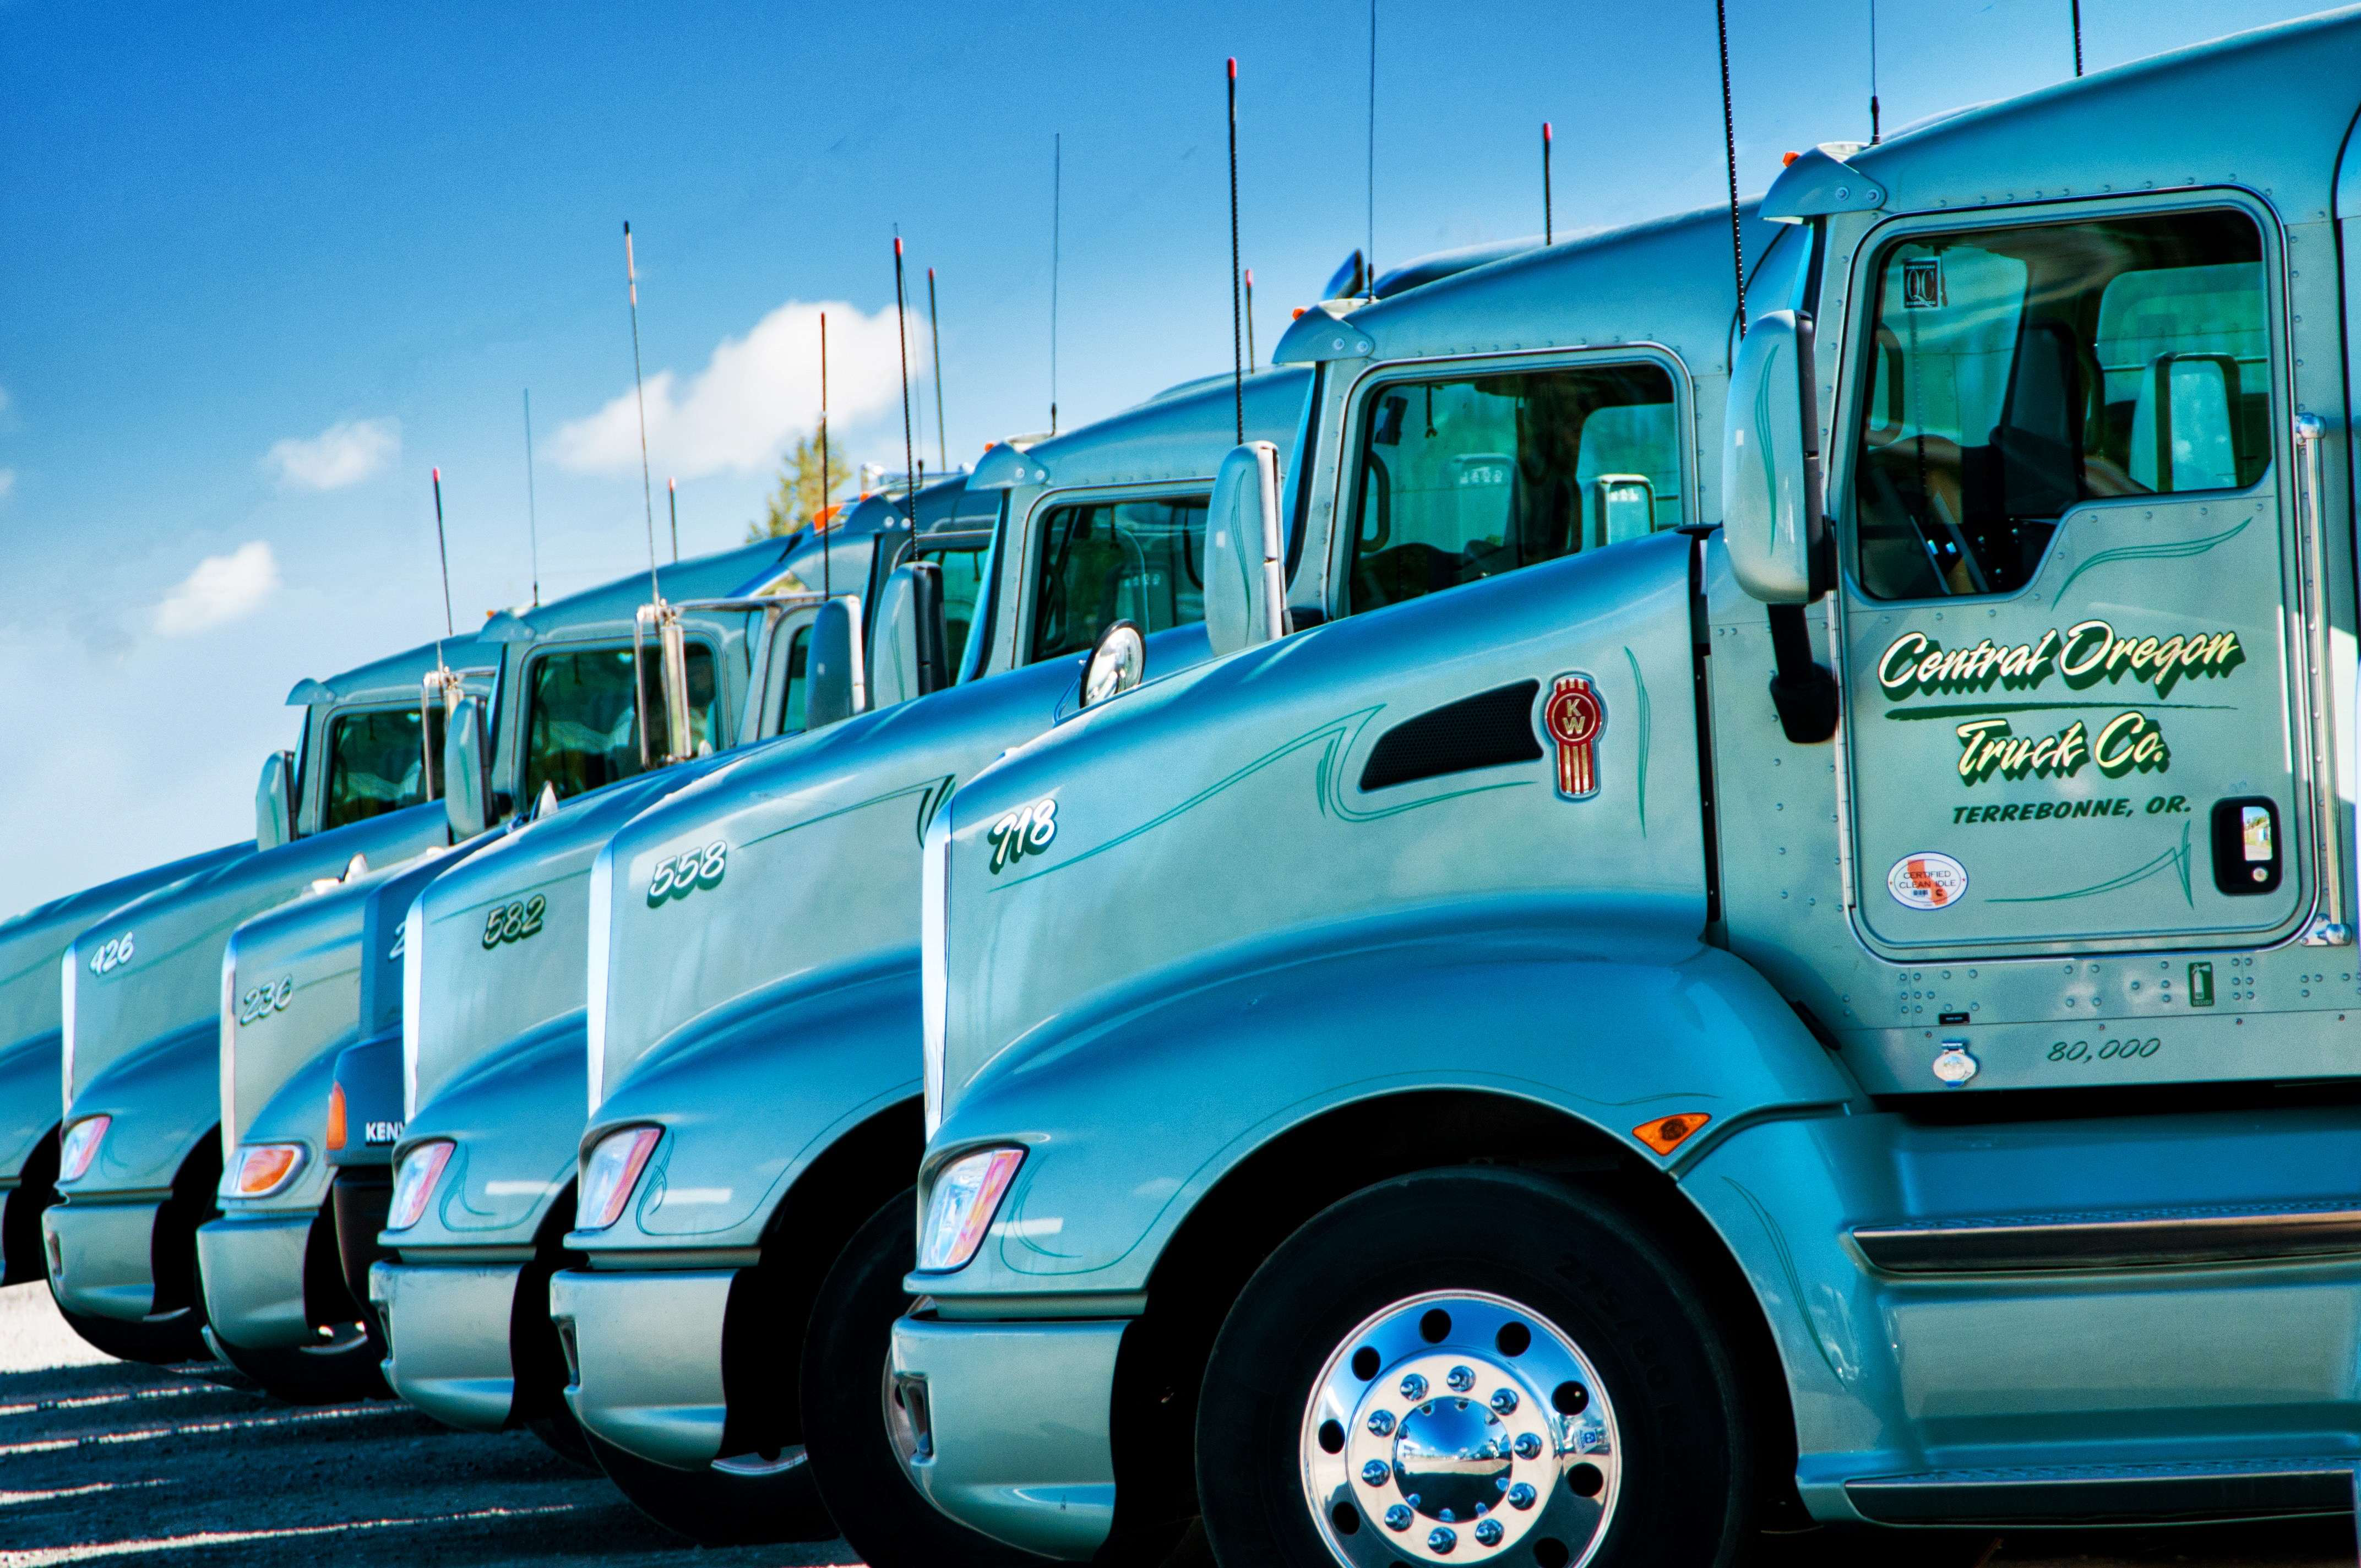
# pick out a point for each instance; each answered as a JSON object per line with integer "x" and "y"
{"x": 1573, "y": 924}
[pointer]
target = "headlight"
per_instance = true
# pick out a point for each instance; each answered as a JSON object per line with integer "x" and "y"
{"x": 960, "y": 1207}
{"x": 80, "y": 1146}
{"x": 265, "y": 1168}
{"x": 610, "y": 1173}
{"x": 421, "y": 1168}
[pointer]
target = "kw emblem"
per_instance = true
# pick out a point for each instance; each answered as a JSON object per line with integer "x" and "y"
{"x": 1573, "y": 715}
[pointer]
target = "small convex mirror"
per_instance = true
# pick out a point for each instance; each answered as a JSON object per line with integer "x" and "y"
{"x": 1117, "y": 662}
{"x": 1772, "y": 525}
{"x": 274, "y": 802}
{"x": 905, "y": 646}
{"x": 836, "y": 685}
{"x": 467, "y": 771}
{"x": 1245, "y": 593}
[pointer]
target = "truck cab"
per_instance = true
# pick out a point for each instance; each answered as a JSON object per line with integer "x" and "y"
{"x": 1835, "y": 1016}
{"x": 752, "y": 1049}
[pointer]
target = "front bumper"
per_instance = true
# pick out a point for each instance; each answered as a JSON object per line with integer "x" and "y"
{"x": 1035, "y": 1467}
{"x": 644, "y": 1354}
{"x": 447, "y": 1332}
{"x": 253, "y": 1273}
{"x": 102, "y": 1256}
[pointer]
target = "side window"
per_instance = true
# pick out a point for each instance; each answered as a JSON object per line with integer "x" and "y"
{"x": 2017, "y": 372}
{"x": 1137, "y": 561}
{"x": 1472, "y": 476}
{"x": 791, "y": 700}
{"x": 962, "y": 572}
{"x": 376, "y": 765}
{"x": 581, "y": 725}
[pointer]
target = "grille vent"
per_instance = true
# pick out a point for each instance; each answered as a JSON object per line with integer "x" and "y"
{"x": 1487, "y": 730}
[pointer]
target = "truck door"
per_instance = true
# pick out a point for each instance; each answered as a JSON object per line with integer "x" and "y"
{"x": 2074, "y": 675}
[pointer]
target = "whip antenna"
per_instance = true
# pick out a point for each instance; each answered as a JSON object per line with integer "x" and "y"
{"x": 935, "y": 337}
{"x": 2076, "y": 6}
{"x": 901, "y": 331}
{"x": 443, "y": 550}
{"x": 818, "y": 530}
{"x": 1546, "y": 233}
{"x": 1369, "y": 252}
{"x": 532, "y": 520}
{"x": 1057, "y": 201}
{"x": 1729, "y": 149}
{"x": 1251, "y": 362}
{"x": 647, "y": 485}
{"x": 1237, "y": 350}
{"x": 672, "y": 505}
{"x": 1872, "y": 72}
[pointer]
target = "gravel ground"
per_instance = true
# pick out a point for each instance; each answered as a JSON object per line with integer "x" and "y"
{"x": 100, "y": 1460}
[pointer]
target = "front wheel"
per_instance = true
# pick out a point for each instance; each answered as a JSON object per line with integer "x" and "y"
{"x": 851, "y": 1417}
{"x": 749, "y": 1500}
{"x": 165, "y": 1341}
{"x": 1472, "y": 1367}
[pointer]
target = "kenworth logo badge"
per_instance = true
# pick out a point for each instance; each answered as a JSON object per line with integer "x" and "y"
{"x": 1573, "y": 715}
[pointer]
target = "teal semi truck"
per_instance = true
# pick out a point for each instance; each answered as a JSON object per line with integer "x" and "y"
{"x": 1847, "y": 1015}
{"x": 752, "y": 1061}
{"x": 301, "y": 982}
{"x": 487, "y": 1065}
{"x": 139, "y": 997}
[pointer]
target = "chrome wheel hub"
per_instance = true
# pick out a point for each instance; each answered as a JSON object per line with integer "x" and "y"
{"x": 1453, "y": 1426}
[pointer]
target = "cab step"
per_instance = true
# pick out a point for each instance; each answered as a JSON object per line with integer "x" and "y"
{"x": 2129, "y": 1493}
{"x": 2121, "y": 1238}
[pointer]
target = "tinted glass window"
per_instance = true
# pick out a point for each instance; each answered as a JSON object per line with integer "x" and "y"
{"x": 1473, "y": 476}
{"x": 791, "y": 701}
{"x": 376, "y": 765}
{"x": 2017, "y": 372}
{"x": 581, "y": 727}
{"x": 1138, "y": 561}
{"x": 962, "y": 572}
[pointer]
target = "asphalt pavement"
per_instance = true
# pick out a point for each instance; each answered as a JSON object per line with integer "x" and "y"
{"x": 103, "y": 1460}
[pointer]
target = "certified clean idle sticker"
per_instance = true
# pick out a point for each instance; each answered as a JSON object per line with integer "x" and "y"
{"x": 1927, "y": 880}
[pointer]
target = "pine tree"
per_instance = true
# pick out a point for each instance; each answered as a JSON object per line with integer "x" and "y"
{"x": 799, "y": 494}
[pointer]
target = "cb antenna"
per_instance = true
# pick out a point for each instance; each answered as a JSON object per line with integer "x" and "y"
{"x": 1238, "y": 347}
{"x": 935, "y": 337}
{"x": 1546, "y": 233}
{"x": 532, "y": 520}
{"x": 1252, "y": 363}
{"x": 1057, "y": 202}
{"x": 1730, "y": 149}
{"x": 639, "y": 392}
{"x": 1872, "y": 74}
{"x": 820, "y": 532}
{"x": 902, "y": 331}
{"x": 672, "y": 505}
{"x": 2076, "y": 6}
{"x": 1369, "y": 252}
{"x": 444, "y": 551}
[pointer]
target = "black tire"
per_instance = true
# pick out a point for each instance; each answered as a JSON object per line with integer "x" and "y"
{"x": 564, "y": 1436}
{"x": 339, "y": 1374}
{"x": 1685, "y": 1490}
{"x": 884, "y": 1516}
{"x": 713, "y": 1507}
{"x": 169, "y": 1341}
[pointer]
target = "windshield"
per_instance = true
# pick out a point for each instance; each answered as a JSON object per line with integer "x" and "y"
{"x": 581, "y": 726}
{"x": 376, "y": 765}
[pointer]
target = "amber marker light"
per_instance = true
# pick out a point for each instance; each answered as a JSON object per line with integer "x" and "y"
{"x": 264, "y": 1168}
{"x": 335, "y": 1136}
{"x": 1666, "y": 1133}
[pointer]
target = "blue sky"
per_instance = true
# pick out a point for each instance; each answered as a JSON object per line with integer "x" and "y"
{"x": 263, "y": 269}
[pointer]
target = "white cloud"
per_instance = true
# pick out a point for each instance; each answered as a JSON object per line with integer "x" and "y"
{"x": 753, "y": 395}
{"x": 222, "y": 589}
{"x": 344, "y": 453}
{"x": 8, "y": 479}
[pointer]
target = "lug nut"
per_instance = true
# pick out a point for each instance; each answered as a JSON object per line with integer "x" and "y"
{"x": 1398, "y": 1517}
{"x": 1381, "y": 1423}
{"x": 1440, "y": 1541}
{"x": 1521, "y": 1495}
{"x": 1413, "y": 1387}
{"x": 1376, "y": 1472}
{"x": 1504, "y": 1400}
{"x": 1529, "y": 1445}
{"x": 1489, "y": 1533}
{"x": 1462, "y": 1378}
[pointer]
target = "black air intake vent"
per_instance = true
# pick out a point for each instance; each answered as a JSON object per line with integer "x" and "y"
{"x": 1485, "y": 730}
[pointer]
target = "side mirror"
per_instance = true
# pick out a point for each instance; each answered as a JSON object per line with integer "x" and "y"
{"x": 836, "y": 684}
{"x": 274, "y": 802}
{"x": 1245, "y": 551}
{"x": 466, "y": 772}
{"x": 906, "y": 646}
{"x": 1771, "y": 524}
{"x": 1117, "y": 664}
